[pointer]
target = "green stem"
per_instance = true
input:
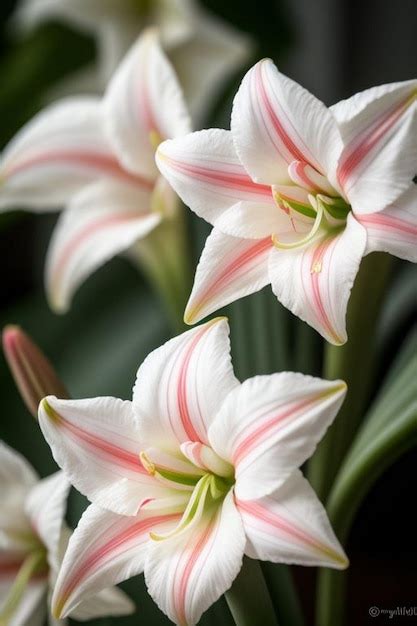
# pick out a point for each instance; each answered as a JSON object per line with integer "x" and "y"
{"x": 34, "y": 563}
{"x": 307, "y": 349}
{"x": 344, "y": 501}
{"x": 353, "y": 362}
{"x": 248, "y": 599}
{"x": 165, "y": 258}
{"x": 283, "y": 593}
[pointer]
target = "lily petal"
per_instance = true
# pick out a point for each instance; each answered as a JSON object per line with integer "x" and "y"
{"x": 394, "y": 229}
{"x": 15, "y": 471}
{"x": 180, "y": 386}
{"x": 46, "y": 507}
{"x": 229, "y": 268}
{"x": 205, "y": 171}
{"x": 291, "y": 526}
{"x": 144, "y": 105}
{"x": 101, "y": 221}
{"x": 105, "y": 549}
{"x": 96, "y": 442}
{"x": 108, "y": 602}
{"x": 209, "y": 55}
{"x": 275, "y": 122}
{"x": 270, "y": 425}
{"x": 378, "y": 162}
{"x": 315, "y": 281}
{"x": 16, "y": 479}
{"x": 62, "y": 149}
{"x": 185, "y": 574}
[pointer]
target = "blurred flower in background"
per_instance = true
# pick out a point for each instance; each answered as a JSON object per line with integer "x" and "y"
{"x": 96, "y": 157}
{"x": 33, "y": 540}
{"x": 204, "y": 50}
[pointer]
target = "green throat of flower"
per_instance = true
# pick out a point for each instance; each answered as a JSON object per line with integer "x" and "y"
{"x": 329, "y": 214}
{"x": 207, "y": 494}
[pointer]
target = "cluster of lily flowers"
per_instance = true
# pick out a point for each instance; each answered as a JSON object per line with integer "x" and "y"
{"x": 198, "y": 469}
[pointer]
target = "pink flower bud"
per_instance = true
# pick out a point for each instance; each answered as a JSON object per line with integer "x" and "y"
{"x": 32, "y": 372}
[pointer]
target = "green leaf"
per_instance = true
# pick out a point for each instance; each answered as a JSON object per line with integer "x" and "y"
{"x": 389, "y": 430}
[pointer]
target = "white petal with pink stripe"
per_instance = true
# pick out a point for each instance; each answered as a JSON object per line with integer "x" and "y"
{"x": 270, "y": 425}
{"x": 229, "y": 268}
{"x": 290, "y": 525}
{"x": 102, "y": 220}
{"x": 394, "y": 229}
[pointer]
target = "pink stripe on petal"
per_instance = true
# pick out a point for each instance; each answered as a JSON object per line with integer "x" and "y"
{"x": 225, "y": 276}
{"x": 191, "y": 556}
{"x": 82, "y": 236}
{"x": 360, "y": 147}
{"x": 315, "y": 277}
{"x": 94, "y": 559}
{"x": 193, "y": 450}
{"x": 388, "y": 223}
{"x": 226, "y": 179}
{"x": 299, "y": 174}
{"x": 182, "y": 393}
{"x": 266, "y": 429}
{"x": 103, "y": 163}
{"x": 309, "y": 178}
{"x": 271, "y": 522}
{"x": 111, "y": 452}
{"x": 284, "y": 143}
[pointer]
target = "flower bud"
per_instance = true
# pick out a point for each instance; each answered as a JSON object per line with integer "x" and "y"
{"x": 32, "y": 372}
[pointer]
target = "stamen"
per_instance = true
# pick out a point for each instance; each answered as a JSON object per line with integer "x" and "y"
{"x": 203, "y": 499}
{"x": 147, "y": 463}
{"x": 302, "y": 242}
{"x": 168, "y": 474}
{"x": 290, "y": 204}
{"x": 193, "y": 511}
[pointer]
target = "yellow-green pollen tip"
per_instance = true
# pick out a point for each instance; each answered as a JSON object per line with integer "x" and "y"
{"x": 147, "y": 463}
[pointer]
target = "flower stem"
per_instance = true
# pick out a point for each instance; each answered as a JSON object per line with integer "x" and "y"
{"x": 34, "y": 563}
{"x": 164, "y": 257}
{"x": 248, "y": 599}
{"x": 354, "y": 363}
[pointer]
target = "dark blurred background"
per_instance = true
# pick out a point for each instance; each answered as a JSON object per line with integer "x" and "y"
{"x": 332, "y": 47}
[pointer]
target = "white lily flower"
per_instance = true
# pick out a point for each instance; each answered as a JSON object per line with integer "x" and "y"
{"x": 195, "y": 472}
{"x": 33, "y": 540}
{"x": 298, "y": 194}
{"x": 204, "y": 50}
{"x": 97, "y": 158}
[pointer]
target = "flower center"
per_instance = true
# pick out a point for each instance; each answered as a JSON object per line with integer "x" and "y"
{"x": 311, "y": 203}
{"x": 198, "y": 474}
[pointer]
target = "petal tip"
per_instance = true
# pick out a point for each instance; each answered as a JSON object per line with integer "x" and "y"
{"x": 341, "y": 561}
{"x": 190, "y": 317}
{"x": 10, "y": 333}
{"x": 57, "y": 609}
{"x": 45, "y": 409}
